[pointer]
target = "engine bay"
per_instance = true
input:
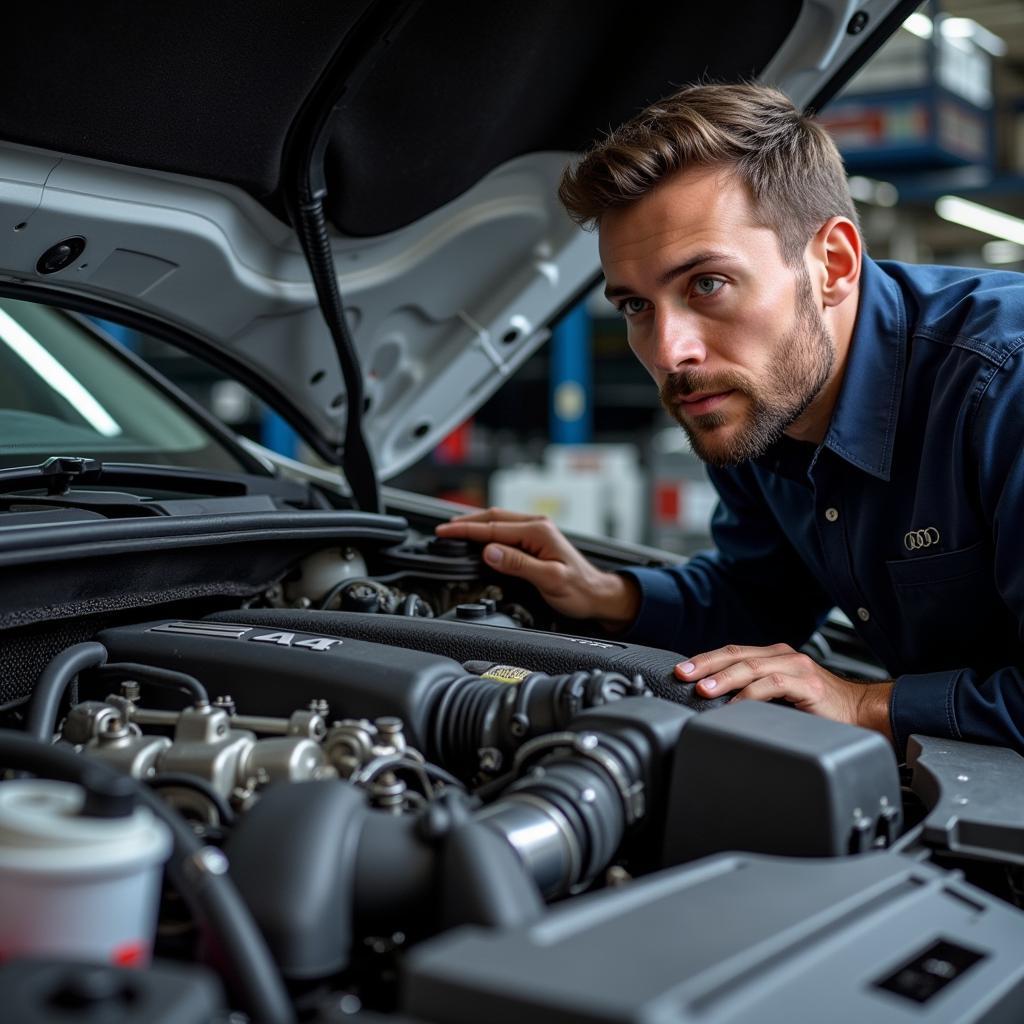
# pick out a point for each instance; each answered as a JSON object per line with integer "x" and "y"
{"x": 396, "y": 788}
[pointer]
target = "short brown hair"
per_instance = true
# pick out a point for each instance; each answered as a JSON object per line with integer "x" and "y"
{"x": 788, "y": 162}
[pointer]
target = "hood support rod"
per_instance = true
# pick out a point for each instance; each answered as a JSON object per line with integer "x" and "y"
{"x": 305, "y": 183}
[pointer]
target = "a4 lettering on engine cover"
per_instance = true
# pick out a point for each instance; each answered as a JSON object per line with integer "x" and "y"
{"x": 313, "y": 643}
{"x": 230, "y": 631}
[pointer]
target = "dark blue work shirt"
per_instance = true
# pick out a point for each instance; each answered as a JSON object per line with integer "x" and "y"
{"x": 909, "y": 516}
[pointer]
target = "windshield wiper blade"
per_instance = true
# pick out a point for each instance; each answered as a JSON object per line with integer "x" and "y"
{"x": 58, "y": 474}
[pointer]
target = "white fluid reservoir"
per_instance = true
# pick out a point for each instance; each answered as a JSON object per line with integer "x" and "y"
{"x": 73, "y": 885}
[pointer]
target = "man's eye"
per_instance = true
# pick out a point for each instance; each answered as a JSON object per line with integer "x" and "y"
{"x": 705, "y": 286}
{"x": 633, "y": 306}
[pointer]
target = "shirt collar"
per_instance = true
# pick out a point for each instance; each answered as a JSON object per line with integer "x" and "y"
{"x": 863, "y": 425}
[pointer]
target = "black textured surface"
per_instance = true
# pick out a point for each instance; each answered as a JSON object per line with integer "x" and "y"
{"x": 25, "y": 652}
{"x": 212, "y": 89}
{"x": 467, "y": 86}
{"x": 206, "y": 89}
{"x": 461, "y": 641}
{"x": 88, "y": 568}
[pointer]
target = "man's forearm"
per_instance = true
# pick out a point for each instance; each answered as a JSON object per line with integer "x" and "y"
{"x": 873, "y": 707}
{"x": 616, "y": 602}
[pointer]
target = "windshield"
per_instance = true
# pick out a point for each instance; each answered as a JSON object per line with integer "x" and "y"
{"x": 63, "y": 391}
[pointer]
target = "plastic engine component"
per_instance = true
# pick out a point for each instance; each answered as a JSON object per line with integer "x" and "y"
{"x": 274, "y": 671}
{"x": 461, "y": 641}
{"x": 770, "y": 779}
{"x": 744, "y": 939}
{"x": 51, "y": 991}
{"x": 974, "y": 796}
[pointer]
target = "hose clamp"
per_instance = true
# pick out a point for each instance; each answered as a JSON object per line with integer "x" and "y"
{"x": 587, "y": 745}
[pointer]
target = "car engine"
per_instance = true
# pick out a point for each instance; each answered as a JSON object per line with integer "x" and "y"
{"x": 392, "y": 788}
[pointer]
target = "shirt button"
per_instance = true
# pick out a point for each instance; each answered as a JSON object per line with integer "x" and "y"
{"x": 831, "y": 514}
{"x": 863, "y": 614}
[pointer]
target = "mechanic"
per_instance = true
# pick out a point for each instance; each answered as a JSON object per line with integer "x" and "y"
{"x": 861, "y": 422}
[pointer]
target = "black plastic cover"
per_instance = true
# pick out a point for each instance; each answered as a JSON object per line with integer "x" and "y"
{"x": 771, "y": 779}
{"x": 293, "y": 858}
{"x": 743, "y": 939}
{"x": 56, "y": 991}
{"x": 552, "y": 653}
{"x": 275, "y": 671}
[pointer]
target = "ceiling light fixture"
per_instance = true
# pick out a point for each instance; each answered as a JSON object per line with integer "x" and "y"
{"x": 1000, "y": 251}
{"x": 919, "y": 25}
{"x": 869, "y": 190}
{"x": 980, "y": 218}
{"x": 968, "y": 28}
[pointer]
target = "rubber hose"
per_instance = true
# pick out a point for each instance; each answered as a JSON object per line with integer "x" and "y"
{"x": 358, "y": 462}
{"x": 161, "y": 677}
{"x": 54, "y": 680}
{"x": 213, "y": 898}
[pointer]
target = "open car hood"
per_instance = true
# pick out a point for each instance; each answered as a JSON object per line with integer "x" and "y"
{"x": 162, "y": 141}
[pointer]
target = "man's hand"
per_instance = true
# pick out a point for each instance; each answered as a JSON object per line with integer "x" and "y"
{"x": 534, "y": 549}
{"x": 779, "y": 672}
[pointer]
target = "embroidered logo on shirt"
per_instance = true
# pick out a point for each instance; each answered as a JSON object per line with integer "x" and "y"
{"x": 917, "y": 539}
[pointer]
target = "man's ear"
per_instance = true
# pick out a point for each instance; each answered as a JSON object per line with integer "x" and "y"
{"x": 835, "y": 255}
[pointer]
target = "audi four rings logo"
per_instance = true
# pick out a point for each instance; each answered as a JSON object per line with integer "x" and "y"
{"x": 917, "y": 539}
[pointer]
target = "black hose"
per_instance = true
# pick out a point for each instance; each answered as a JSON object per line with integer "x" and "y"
{"x": 201, "y": 786}
{"x": 415, "y": 606}
{"x": 382, "y": 599}
{"x": 332, "y": 594}
{"x": 316, "y": 245}
{"x": 160, "y": 677}
{"x": 471, "y": 713}
{"x": 53, "y": 681}
{"x": 437, "y": 774}
{"x": 212, "y": 896}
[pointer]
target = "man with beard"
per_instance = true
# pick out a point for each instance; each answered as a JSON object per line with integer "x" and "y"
{"x": 862, "y": 423}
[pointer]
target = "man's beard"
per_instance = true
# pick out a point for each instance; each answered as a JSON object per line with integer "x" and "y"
{"x": 799, "y": 369}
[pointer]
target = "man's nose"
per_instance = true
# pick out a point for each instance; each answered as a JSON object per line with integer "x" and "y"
{"x": 677, "y": 342}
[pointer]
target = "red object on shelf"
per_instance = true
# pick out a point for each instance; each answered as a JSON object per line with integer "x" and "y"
{"x": 667, "y": 503}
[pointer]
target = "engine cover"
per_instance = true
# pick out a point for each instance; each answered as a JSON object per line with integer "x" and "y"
{"x": 273, "y": 671}
{"x": 877, "y": 938}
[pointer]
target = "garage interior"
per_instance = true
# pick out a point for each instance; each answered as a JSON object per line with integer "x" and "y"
{"x": 936, "y": 115}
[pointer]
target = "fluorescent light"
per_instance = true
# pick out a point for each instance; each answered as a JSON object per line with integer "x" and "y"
{"x": 968, "y": 28}
{"x": 862, "y": 189}
{"x": 1001, "y": 251}
{"x": 886, "y": 194}
{"x": 980, "y": 218}
{"x": 868, "y": 190}
{"x": 919, "y": 25}
{"x": 23, "y": 345}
